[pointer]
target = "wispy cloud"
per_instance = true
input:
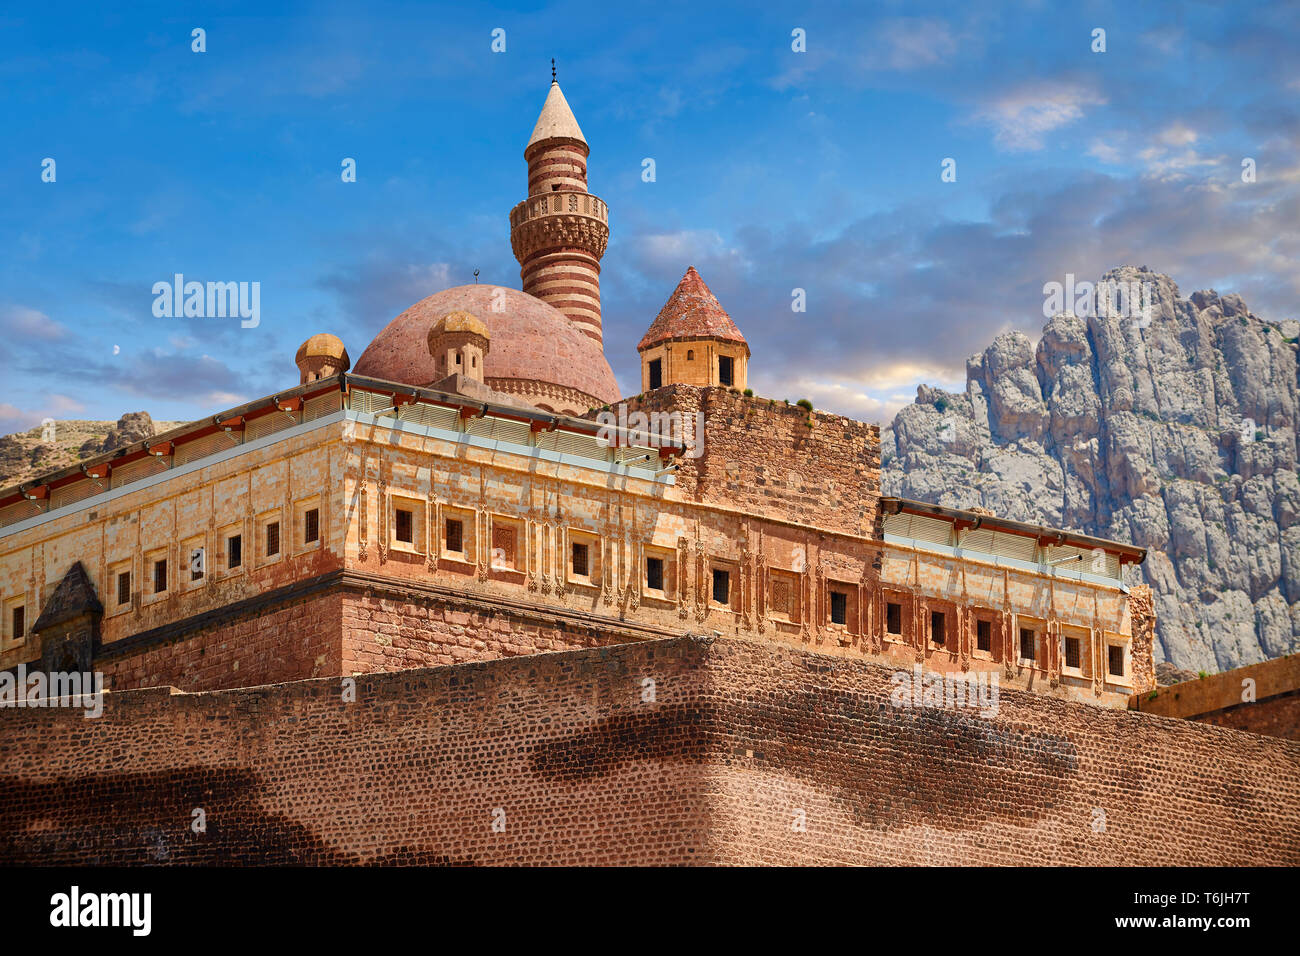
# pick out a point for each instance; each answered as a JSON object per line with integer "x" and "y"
{"x": 1023, "y": 118}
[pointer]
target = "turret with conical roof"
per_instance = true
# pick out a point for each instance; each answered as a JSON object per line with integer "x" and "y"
{"x": 560, "y": 231}
{"x": 693, "y": 341}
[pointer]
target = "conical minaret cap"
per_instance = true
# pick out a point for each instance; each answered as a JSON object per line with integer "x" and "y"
{"x": 556, "y": 120}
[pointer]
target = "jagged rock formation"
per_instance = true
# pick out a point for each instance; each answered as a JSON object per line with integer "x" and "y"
{"x": 28, "y": 455}
{"x": 1175, "y": 430}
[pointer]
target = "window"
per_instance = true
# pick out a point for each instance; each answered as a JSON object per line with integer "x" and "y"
{"x": 937, "y": 632}
{"x": 1072, "y": 655}
{"x": 1115, "y": 659}
{"x": 160, "y": 576}
{"x": 311, "y": 526}
{"x": 234, "y": 551}
{"x": 580, "y": 560}
{"x": 690, "y": 355}
{"x": 724, "y": 370}
{"x": 123, "y": 588}
{"x": 656, "y": 373}
{"x": 454, "y": 535}
{"x": 405, "y": 525}
{"x": 894, "y": 618}
{"x": 654, "y": 573}
{"x": 839, "y": 607}
{"x": 19, "y": 624}
{"x": 1027, "y": 644}
{"x": 197, "y": 558}
{"x": 272, "y": 538}
{"x": 984, "y": 635}
{"x": 721, "y": 586}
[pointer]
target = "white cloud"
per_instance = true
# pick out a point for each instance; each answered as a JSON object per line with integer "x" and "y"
{"x": 907, "y": 44}
{"x": 1023, "y": 118}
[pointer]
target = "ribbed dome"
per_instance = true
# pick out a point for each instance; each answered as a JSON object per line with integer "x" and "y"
{"x": 323, "y": 345}
{"x": 460, "y": 321}
{"x": 531, "y": 341}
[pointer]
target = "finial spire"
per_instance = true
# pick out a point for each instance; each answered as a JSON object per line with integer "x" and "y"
{"x": 553, "y": 80}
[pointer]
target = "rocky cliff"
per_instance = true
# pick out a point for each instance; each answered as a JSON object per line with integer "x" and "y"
{"x": 25, "y": 456}
{"x": 1174, "y": 429}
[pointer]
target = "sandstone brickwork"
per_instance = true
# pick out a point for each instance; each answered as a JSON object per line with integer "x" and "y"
{"x": 685, "y": 750}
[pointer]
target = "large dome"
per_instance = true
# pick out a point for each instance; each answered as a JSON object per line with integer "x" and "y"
{"x": 534, "y": 345}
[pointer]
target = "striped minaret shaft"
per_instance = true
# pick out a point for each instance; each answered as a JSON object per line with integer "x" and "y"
{"x": 560, "y": 231}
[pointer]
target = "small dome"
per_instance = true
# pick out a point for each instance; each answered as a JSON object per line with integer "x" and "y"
{"x": 459, "y": 320}
{"x": 323, "y": 345}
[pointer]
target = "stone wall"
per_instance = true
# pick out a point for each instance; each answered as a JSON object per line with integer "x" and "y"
{"x": 771, "y": 459}
{"x": 673, "y": 751}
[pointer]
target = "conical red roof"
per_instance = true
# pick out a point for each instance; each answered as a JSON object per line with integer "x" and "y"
{"x": 691, "y": 312}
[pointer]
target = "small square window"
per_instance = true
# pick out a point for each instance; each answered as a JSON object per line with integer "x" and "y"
{"x": 580, "y": 560}
{"x": 234, "y": 551}
{"x": 123, "y": 588}
{"x": 721, "y": 586}
{"x": 1115, "y": 659}
{"x": 454, "y": 535}
{"x": 938, "y": 633}
{"x": 839, "y": 607}
{"x": 894, "y": 618}
{"x": 160, "y": 576}
{"x": 1027, "y": 644}
{"x": 984, "y": 635}
{"x": 272, "y": 538}
{"x": 1073, "y": 648}
{"x": 654, "y": 573}
{"x": 311, "y": 526}
{"x": 405, "y": 526}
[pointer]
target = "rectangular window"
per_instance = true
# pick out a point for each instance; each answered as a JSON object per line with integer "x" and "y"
{"x": 19, "y": 624}
{"x": 580, "y": 560}
{"x": 721, "y": 586}
{"x": 272, "y": 538}
{"x": 1072, "y": 655}
{"x": 894, "y": 618}
{"x": 455, "y": 541}
{"x": 654, "y": 573}
{"x": 311, "y": 526}
{"x": 123, "y": 588}
{"x": 160, "y": 576}
{"x": 984, "y": 635}
{"x": 724, "y": 370}
{"x": 839, "y": 607}
{"x": 405, "y": 526}
{"x": 1027, "y": 644}
{"x": 656, "y": 373}
{"x": 234, "y": 551}
{"x": 197, "y": 558}
{"x": 937, "y": 632}
{"x": 1115, "y": 659}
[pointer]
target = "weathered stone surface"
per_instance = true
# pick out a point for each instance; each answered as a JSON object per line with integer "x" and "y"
{"x": 1178, "y": 434}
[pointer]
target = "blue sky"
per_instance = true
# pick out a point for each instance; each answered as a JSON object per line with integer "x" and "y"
{"x": 775, "y": 170}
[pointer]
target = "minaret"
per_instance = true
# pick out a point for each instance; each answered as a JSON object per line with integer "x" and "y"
{"x": 560, "y": 231}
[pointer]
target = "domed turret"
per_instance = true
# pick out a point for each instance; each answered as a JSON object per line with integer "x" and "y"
{"x": 320, "y": 357}
{"x": 693, "y": 341}
{"x": 458, "y": 345}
